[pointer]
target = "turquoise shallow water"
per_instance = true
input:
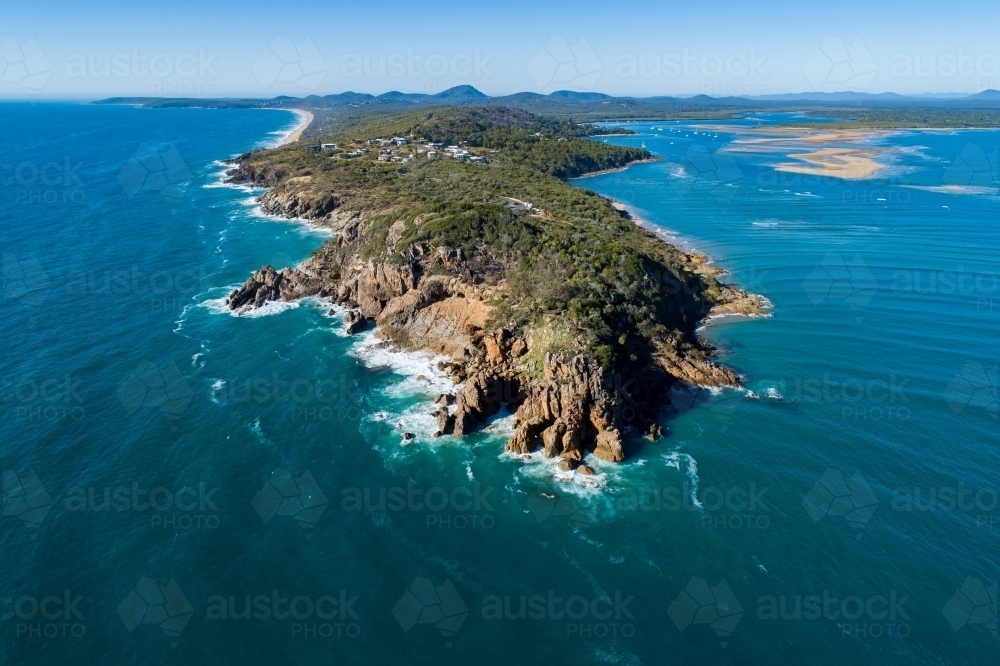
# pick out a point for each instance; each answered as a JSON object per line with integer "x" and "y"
{"x": 164, "y": 460}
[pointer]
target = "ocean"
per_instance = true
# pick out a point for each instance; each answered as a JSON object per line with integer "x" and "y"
{"x": 185, "y": 485}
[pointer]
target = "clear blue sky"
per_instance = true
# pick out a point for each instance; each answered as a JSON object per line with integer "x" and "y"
{"x": 102, "y": 48}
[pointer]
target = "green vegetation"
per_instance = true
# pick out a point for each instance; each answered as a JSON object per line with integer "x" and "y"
{"x": 575, "y": 271}
{"x": 906, "y": 118}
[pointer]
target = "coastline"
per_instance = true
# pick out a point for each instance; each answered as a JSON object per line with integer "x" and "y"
{"x": 654, "y": 158}
{"x": 305, "y": 119}
{"x": 492, "y": 361}
{"x": 705, "y": 265}
{"x": 661, "y": 233}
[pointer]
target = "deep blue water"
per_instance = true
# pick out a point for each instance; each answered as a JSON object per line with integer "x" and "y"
{"x": 124, "y": 383}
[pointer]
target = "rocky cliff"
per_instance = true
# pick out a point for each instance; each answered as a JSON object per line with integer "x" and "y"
{"x": 575, "y": 407}
{"x": 567, "y": 315}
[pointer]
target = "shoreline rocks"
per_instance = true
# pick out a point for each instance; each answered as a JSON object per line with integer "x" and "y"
{"x": 267, "y": 284}
{"x": 423, "y": 298}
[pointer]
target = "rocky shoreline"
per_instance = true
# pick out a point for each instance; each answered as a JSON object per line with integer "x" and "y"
{"x": 430, "y": 300}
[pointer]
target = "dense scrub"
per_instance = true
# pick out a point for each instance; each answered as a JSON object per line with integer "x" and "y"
{"x": 573, "y": 266}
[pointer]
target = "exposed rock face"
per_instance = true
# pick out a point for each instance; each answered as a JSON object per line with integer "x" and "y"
{"x": 570, "y": 413}
{"x": 354, "y": 321}
{"x": 574, "y": 410}
{"x": 446, "y": 422}
{"x": 428, "y": 298}
{"x": 269, "y": 285}
{"x": 288, "y": 203}
{"x": 481, "y": 397}
{"x": 701, "y": 372}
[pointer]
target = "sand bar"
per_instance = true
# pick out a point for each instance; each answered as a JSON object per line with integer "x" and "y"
{"x": 847, "y": 163}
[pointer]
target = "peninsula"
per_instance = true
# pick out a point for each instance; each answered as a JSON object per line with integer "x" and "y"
{"x": 457, "y": 233}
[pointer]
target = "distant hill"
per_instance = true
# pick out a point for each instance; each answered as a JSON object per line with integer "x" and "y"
{"x": 336, "y": 112}
{"x": 846, "y": 96}
{"x": 570, "y": 101}
{"x": 580, "y": 96}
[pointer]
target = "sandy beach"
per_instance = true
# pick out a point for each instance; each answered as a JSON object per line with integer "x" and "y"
{"x": 304, "y": 119}
{"x": 654, "y": 158}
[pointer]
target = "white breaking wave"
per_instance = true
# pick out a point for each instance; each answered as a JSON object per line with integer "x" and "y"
{"x": 218, "y": 385}
{"x": 675, "y": 459}
{"x": 218, "y": 306}
{"x": 419, "y": 369}
{"x": 415, "y": 419}
{"x": 540, "y": 470}
{"x": 306, "y": 227}
{"x": 974, "y": 190}
{"x": 220, "y": 179}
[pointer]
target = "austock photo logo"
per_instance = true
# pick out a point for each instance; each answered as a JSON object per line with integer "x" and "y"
{"x": 837, "y": 278}
{"x": 857, "y": 616}
{"x": 148, "y": 387}
{"x": 284, "y": 495}
{"x": 460, "y": 508}
{"x": 836, "y": 65}
{"x": 437, "y": 70}
{"x": 977, "y": 68}
{"x": 284, "y": 62}
{"x": 50, "y": 182}
{"x": 153, "y": 169}
{"x": 186, "y": 73}
{"x": 722, "y": 404}
{"x": 833, "y": 495}
{"x": 545, "y": 504}
{"x": 309, "y": 399}
{"x": 25, "y": 498}
{"x": 723, "y": 74}
{"x": 585, "y": 616}
{"x": 975, "y": 385}
{"x": 307, "y": 616}
{"x": 973, "y": 604}
{"x": 704, "y": 171}
{"x": 974, "y": 500}
{"x": 150, "y": 603}
{"x": 714, "y": 605}
{"x": 560, "y": 63}
{"x": 163, "y": 291}
{"x": 180, "y": 509}
{"x": 974, "y": 170}
{"x": 44, "y": 617}
{"x": 25, "y": 281}
{"x": 24, "y": 64}
{"x": 741, "y": 507}
{"x": 438, "y": 605}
